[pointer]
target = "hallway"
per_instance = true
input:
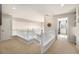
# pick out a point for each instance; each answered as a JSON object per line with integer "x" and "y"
{"x": 62, "y": 46}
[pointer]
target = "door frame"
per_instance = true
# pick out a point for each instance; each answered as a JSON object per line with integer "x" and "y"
{"x": 58, "y": 25}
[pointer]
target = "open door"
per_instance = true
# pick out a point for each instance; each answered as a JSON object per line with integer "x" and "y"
{"x": 62, "y": 27}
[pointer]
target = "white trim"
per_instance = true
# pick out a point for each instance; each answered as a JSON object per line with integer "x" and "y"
{"x": 59, "y": 19}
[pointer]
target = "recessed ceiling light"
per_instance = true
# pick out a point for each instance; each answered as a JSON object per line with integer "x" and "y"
{"x": 62, "y": 5}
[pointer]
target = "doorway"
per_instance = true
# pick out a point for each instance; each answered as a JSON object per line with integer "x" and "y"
{"x": 62, "y": 27}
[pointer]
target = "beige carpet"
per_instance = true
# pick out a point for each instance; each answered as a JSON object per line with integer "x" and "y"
{"x": 18, "y": 45}
{"x": 62, "y": 46}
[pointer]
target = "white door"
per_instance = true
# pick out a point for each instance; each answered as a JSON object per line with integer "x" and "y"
{"x": 6, "y": 27}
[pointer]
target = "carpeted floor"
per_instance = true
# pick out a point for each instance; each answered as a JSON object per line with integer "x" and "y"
{"x": 62, "y": 46}
{"x": 18, "y": 45}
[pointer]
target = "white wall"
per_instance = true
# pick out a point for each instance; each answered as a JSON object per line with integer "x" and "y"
{"x": 49, "y": 19}
{"x": 25, "y": 25}
{"x": 49, "y": 32}
{"x": 23, "y": 11}
{"x": 77, "y": 28}
{"x": 19, "y": 25}
{"x": 6, "y": 28}
{"x": 72, "y": 19}
{"x": 71, "y": 23}
{"x": 49, "y": 35}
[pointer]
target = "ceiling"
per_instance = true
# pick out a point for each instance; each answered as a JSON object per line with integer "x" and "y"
{"x": 36, "y": 12}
